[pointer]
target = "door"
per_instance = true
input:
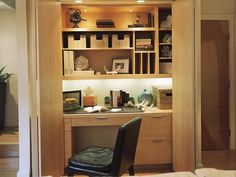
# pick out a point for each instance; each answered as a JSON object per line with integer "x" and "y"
{"x": 215, "y": 84}
{"x": 183, "y": 85}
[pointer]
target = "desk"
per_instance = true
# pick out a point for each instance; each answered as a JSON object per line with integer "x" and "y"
{"x": 151, "y": 122}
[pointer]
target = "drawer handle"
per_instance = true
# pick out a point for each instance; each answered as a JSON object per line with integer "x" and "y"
{"x": 101, "y": 118}
{"x": 157, "y": 141}
{"x": 157, "y": 117}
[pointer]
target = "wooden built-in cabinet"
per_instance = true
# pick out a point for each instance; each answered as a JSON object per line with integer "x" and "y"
{"x": 155, "y": 138}
{"x": 46, "y": 17}
{"x": 144, "y": 62}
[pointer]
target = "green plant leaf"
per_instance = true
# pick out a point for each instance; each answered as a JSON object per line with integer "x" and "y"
{"x": 4, "y": 76}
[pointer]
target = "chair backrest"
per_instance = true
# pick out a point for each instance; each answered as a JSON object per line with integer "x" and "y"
{"x": 125, "y": 147}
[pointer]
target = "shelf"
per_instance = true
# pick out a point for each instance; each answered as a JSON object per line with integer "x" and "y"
{"x": 145, "y": 51}
{"x": 165, "y": 29}
{"x": 130, "y": 48}
{"x": 165, "y": 43}
{"x": 118, "y": 76}
{"x": 165, "y": 58}
{"x": 107, "y": 29}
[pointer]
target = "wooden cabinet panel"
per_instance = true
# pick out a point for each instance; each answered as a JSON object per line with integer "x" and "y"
{"x": 156, "y": 127}
{"x": 155, "y": 139}
{"x": 156, "y": 151}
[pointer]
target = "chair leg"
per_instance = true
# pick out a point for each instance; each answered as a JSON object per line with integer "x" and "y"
{"x": 131, "y": 171}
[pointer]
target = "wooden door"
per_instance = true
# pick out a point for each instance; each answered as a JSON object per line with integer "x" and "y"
{"x": 215, "y": 84}
{"x": 183, "y": 85}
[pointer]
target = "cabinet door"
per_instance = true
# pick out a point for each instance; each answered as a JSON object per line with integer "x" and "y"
{"x": 155, "y": 139}
{"x": 183, "y": 85}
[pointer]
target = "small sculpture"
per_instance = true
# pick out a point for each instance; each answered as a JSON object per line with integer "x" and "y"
{"x": 138, "y": 19}
{"x": 88, "y": 91}
{"x": 75, "y": 17}
{"x": 166, "y": 51}
{"x": 167, "y": 23}
{"x": 112, "y": 72}
{"x": 81, "y": 63}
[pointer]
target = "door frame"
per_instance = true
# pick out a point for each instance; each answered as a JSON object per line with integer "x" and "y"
{"x": 232, "y": 119}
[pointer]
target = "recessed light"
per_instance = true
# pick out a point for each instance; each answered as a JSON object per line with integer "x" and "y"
{"x": 140, "y": 1}
{"x": 131, "y": 10}
{"x": 78, "y": 1}
{"x": 1, "y": 3}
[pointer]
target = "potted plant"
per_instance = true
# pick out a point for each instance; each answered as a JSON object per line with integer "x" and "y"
{"x": 3, "y": 84}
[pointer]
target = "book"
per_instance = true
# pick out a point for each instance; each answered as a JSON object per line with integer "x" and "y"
{"x": 95, "y": 109}
{"x": 66, "y": 62}
{"x": 71, "y": 62}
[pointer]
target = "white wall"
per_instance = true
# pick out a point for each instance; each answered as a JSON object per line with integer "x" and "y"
{"x": 102, "y": 87}
{"x": 8, "y": 58}
{"x": 217, "y": 6}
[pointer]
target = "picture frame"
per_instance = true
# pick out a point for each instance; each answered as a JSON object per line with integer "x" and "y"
{"x": 122, "y": 63}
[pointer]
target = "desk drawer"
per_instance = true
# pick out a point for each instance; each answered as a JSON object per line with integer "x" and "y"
{"x": 102, "y": 120}
{"x": 155, "y": 151}
{"x": 156, "y": 127}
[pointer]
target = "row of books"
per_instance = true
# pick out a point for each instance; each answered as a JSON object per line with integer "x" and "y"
{"x": 143, "y": 44}
{"x": 69, "y": 65}
{"x": 118, "y": 98}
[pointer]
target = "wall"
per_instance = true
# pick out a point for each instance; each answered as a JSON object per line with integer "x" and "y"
{"x": 217, "y": 6}
{"x": 102, "y": 87}
{"x": 8, "y": 58}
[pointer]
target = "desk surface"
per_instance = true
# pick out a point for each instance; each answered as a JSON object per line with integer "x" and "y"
{"x": 136, "y": 113}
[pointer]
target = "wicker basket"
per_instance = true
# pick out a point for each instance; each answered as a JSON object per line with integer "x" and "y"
{"x": 162, "y": 98}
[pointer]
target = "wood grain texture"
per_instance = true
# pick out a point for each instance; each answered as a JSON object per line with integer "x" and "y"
{"x": 155, "y": 139}
{"x": 183, "y": 86}
{"x": 215, "y": 84}
{"x": 50, "y": 88}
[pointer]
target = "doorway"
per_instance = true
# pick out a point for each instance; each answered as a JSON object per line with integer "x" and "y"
{"x": 215, "y": 94}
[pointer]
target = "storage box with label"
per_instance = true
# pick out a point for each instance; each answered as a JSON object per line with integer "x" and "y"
{"x": 162, "y": 97}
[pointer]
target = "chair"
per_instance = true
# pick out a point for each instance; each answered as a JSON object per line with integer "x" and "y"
{"x": 99, "y": 161}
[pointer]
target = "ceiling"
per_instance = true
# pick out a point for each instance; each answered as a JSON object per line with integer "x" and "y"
{"x": 7, "y": 4}
{"x": 116, "y": 2}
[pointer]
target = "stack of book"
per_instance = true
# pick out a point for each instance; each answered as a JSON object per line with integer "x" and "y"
{"x": 144, "y": 44}
{"x": 105, "y": 23}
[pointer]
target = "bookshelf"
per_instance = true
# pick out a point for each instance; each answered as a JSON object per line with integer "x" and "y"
{"x": 100, "y": 45}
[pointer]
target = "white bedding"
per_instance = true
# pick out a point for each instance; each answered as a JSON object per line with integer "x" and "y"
{"x": 175, "y": 174}
{"x": 204, "y": 172}
{"x": 211, "y": 172}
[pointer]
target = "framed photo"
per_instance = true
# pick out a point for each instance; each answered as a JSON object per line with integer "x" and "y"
{"x": 121, "y": 65}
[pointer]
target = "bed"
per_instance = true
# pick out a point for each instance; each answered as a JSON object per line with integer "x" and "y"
{"x": 204, "y": 172}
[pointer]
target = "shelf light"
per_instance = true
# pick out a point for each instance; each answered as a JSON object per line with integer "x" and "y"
{"x": 78, "y": 1}
{"x": 140, "y": 1}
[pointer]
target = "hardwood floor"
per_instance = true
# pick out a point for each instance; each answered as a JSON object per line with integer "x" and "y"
{"x": 221, "y": 159}
{"x": 9, "y": 152}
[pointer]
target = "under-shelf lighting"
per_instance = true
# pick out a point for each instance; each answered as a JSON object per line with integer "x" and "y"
{"x": 140, "y": 1}
{"x": 78, "y": 1}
